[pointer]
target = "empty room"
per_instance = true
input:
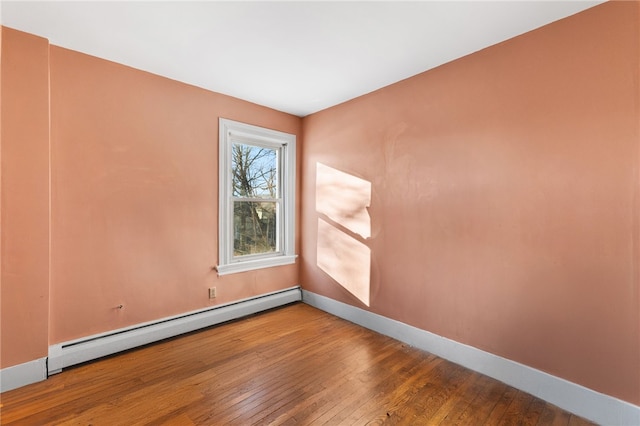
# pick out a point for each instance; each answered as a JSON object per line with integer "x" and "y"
{"x": 309, "y": 213}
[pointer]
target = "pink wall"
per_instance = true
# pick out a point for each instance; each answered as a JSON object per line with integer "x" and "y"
{"x": 504, "y": 208}
{"x": 134, "y": 196}
{"x": 24, "y": 188}
{"x": 134, "y": 188}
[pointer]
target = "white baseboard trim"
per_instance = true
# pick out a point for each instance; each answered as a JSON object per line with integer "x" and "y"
{"x": 577, "y": 399}
{"x": 23, "y": 374}
{"x": 92, "y": 347}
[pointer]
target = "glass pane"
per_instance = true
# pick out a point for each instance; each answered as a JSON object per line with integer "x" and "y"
{"x": 255, "y": 171}
{"x": 254, "y": 227}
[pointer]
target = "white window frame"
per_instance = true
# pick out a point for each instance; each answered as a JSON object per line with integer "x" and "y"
{"x": 230, "y": 131}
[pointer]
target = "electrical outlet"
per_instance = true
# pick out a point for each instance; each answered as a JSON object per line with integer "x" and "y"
{"x": 212, "y": 293}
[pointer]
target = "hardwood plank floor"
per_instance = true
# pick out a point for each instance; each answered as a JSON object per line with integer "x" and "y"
{"x": 294, "y": 365}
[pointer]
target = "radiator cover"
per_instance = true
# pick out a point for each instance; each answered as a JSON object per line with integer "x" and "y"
{"x": 74, "y": 352}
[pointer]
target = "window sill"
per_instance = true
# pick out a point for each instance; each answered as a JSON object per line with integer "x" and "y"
{"x": 250, "y": 265}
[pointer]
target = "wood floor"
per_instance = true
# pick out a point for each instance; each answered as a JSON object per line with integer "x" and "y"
{"x": 290, "y": 366}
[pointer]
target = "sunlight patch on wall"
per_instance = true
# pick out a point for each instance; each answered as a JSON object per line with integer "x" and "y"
{"x": 344, "y": 259}
{"x": 344, "y": 198}
{"x": 342, "y": 202}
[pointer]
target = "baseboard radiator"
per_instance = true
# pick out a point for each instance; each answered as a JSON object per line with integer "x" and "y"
{"x": 93, "y": 347}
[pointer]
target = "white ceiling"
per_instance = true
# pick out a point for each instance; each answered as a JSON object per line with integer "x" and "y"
{"x": 297, "y": 57}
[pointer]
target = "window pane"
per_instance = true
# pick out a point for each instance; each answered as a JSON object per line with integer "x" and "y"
{"x": 255, "y": 229}
{"x": 255, "y": 171}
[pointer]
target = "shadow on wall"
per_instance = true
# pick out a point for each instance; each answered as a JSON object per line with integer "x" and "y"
{"x": 344, "y": 226}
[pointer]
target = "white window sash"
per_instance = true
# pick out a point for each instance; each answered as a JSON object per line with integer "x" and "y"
{"x": 235, "y": 132}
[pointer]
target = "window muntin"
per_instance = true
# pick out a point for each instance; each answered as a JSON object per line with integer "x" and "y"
{"x": 257, "y": 190}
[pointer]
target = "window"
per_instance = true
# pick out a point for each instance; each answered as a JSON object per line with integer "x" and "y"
{"x": 257, "y": 197}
